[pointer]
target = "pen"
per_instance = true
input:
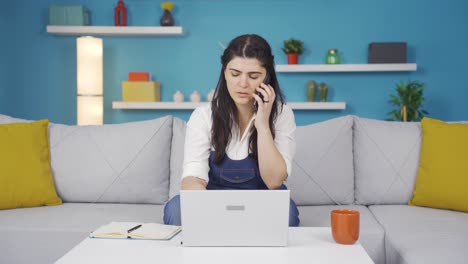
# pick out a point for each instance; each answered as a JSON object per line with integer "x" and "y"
{"x": 133, "y": 228}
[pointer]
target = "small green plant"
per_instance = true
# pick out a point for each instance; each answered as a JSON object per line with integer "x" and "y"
{"x": 293, "y": 46}
{"x": 409, "y": 100}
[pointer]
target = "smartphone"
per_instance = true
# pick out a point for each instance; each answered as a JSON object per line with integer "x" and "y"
{"x": 265, "y": 81}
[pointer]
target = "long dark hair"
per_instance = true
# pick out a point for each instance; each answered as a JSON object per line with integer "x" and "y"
{"x": 223, "y": 107}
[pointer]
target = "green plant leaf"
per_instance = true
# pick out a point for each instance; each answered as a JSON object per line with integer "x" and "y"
{"x": 409, "y": 94}
{"x": 293, "y": 45}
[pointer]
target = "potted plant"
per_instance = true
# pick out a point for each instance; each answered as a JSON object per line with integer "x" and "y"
{"x": 293, "y": 48}
{"x": 408, "y": 101}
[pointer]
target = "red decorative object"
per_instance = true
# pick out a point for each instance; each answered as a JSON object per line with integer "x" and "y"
{"x": 120, "y": 14}
{"x": 138, "y": 76}
{"x": 293, "y": 58}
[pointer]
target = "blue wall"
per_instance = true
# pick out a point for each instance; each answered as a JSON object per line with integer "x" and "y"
{"x": 436, "y": 32}
{"x": 4, "y": 58}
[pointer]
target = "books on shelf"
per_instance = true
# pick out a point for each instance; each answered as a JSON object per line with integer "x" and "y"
{"x": 124, "y": 230}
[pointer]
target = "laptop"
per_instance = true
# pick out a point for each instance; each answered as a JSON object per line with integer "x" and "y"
{"x": 235, "y": 217}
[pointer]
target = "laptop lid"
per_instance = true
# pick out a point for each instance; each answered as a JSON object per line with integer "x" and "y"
{"x": 235, "y": 217}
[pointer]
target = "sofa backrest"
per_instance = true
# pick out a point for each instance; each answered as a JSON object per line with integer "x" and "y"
{"x": 386, "y": 158}
{"x": 343, "y": 160}
{"x": 322, "y": 169}
{"x": 177, "y": 155}
{"x": 118, "y": 163}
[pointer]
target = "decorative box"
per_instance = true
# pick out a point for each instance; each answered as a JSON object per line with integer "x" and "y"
{"x": 138, "y": 76}
{"x": 387, "y": 52}
{"x": 69, "y": 15}
{"x": 141, "y": 91}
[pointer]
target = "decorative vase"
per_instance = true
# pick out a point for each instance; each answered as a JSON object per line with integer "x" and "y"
{"x": 210, "y": 95}
{"x": 178, "y": 97}
{"x": 120, "y": 14}
{"x": 166, "y": 19}
{"x": 323, "y": 92}
{"x": 195, "y": 97}
{"x": 293, "y": 58}
{"x": 311, "y": 90}
{"x": 332, "y": 57}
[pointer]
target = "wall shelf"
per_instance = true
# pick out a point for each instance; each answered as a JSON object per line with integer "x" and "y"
{"x": 318, "y": 105}
{"x": 192, "y": 105}
{"x": 381, "y": 67}
{"x": 114, "y": 31}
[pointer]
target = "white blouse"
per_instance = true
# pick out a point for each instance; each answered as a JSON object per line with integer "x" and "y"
{"x": 198, "y": 141}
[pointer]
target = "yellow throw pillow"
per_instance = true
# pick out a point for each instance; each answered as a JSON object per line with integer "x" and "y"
{"x": 442, "y": 180}
{"x": 25, "y": 173}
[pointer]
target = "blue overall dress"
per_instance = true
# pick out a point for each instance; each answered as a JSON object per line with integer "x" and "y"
{"x": 230, "y": 175}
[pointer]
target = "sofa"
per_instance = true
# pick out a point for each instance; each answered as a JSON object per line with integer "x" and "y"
{"x": 126, "y": 172}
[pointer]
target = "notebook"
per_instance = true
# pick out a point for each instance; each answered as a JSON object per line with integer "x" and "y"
{"x": 235, "y": 217}
{"x": 133, "y": 230}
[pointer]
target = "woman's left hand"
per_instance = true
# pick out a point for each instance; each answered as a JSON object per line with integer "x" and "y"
{"x": 264, "y": 106}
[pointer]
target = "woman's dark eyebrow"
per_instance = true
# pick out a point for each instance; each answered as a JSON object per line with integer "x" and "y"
{"x": 247, "y": 73}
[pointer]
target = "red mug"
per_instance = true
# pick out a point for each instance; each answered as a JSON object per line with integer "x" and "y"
{"x": 345, "y": 226}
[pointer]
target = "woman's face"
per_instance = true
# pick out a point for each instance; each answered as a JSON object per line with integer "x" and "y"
{"x": 243, "y": 76}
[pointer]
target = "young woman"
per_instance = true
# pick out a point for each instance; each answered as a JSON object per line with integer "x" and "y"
{"x": 244, "y": 139}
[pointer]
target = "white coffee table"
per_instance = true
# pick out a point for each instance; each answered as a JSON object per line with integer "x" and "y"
{"x": 306, "y": 245}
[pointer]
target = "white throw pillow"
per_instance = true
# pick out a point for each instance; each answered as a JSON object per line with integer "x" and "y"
{"x": 386, "y": 158}
{"x": 322, "y": 169}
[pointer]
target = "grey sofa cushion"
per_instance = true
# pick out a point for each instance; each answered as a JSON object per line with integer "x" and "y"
{"x": 44, "y": 234}
{"x": 4, "y": 119}
{"x": 124, "y": 163}
{"x": 118, "y": 163}
{"x": 322, "y": 169}
{"x": 386, "y": 158}
{"x": 416, "y": 235}
{"x": 371, "y": 235}
{"x": 77, "y": 217}
{"x": 323, "y": 156}
{"x": 177, "y": 155}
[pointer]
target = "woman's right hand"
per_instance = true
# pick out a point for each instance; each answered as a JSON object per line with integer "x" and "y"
{"x": 264, "y": 106}
{"x": 193, "y": 183}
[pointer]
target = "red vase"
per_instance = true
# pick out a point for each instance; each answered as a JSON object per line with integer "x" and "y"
{"x": 293, "y": 58}
{"x": 120, "y": 14}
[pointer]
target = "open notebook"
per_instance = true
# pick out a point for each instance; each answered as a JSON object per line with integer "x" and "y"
{"x": 140, "y": 231}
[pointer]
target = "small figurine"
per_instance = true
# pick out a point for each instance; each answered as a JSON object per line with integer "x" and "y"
{"x": 178, "y": 97}
{"x": 210, "y": 95}
{"x": 195, "y": 97}
{"x": 120, "y": 14}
